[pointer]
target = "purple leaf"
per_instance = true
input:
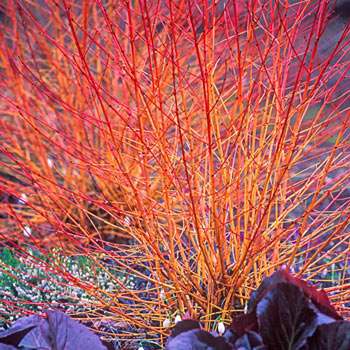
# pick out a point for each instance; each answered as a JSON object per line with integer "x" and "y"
{"x": 62, "y": 332}
{"x": 7, "y": 347}
{"x": 285, "y": 318}
{"x": 244, "y": 323}
{"x": 250, "y": 341}
{"x": 58, "y": 331}
{"x": 20, "y": 328}
{"x": 335, "y": 336}
{"x": 188, "y": 335}
{"x": 318, "y": 298}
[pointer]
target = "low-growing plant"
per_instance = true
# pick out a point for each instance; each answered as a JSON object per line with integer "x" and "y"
{"x": 194, "y": 147}
{"x": 29, "y": 283}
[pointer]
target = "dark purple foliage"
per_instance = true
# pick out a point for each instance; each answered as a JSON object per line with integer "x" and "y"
{"x": 7, "y": 347}
{"x": 188, "y": 335}
{"x": 318, "y": 298}
{"x": 285, "y": 318}
{"x": 250, "y": 341}
{"x": 335, "y": 336}
{"x": 55, "y": 332}
{"x": 284, "y": 313}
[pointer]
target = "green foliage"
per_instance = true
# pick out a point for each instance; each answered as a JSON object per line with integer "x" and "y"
{"x": 30, "y": 282}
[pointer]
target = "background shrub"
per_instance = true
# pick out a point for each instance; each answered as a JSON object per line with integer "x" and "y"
{"x": 194, "y": 147}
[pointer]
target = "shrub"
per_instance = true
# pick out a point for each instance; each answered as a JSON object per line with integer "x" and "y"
{"x": 211, "y": 139}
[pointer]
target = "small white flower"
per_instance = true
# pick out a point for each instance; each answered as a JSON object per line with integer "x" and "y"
{"x": 126, "y": 221}
{"x": 166, "y": 322}
{"x": 23, "y": 198}
{"x": 178, "y": 318}
{"x": 140, "y": 348}
{"x": 27, "y": 231}
{"x": 50, "y": 162}
{"x": 246, "y": 308}
{"x": 162, "y": 294}
{"x": 221, "y": 327}
{"x": 283, "y": 267}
